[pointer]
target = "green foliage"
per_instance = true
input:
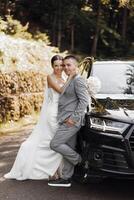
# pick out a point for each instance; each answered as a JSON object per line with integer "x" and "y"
{"x": 77, "y": 23}
{"x": 14, "y": 28}
{"x": 130, "y": 80}
{"x": 42, "y": 37}
{"x": 121, "y": 2}
{"x": 105, "y": 2}
{"x": 1, "y": 57}
{"x": 124, "y": 2}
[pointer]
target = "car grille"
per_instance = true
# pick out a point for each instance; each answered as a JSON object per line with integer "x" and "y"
{"x": 131, "y": 141}
{"x": 114, "y": 160}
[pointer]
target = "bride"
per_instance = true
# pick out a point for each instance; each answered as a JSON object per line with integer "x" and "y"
{"x": 35, "y": 159}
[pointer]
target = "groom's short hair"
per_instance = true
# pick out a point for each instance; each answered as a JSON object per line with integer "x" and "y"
{"x": 71, "y": 57}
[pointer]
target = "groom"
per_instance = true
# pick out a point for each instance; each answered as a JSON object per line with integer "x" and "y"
{"x": 71, "y": 110}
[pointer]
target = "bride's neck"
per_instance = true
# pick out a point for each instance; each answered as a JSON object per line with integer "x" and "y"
{"x": 57, "y": 75}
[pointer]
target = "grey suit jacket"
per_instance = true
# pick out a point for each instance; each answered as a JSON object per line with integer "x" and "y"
{"x": 73, "y": 101}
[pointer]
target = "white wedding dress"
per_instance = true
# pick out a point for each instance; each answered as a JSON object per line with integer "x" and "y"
{"x": 35, "y": 159}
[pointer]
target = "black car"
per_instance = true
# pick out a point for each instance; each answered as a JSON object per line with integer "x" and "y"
{"x": 106, "y": 142}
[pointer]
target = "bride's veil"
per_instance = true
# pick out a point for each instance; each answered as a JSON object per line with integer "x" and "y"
{"x": 40, "y": 128}
{"x": 45, "y": 102}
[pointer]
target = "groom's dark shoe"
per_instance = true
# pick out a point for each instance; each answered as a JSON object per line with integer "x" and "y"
{"x": 60, "y": 183}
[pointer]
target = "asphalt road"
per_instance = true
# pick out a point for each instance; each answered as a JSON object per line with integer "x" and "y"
{"x": 39, "y": 190}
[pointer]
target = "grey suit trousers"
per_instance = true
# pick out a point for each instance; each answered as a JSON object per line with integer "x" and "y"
{"x": 64, "y": 143}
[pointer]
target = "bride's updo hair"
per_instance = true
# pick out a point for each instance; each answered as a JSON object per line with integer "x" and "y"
{"x": 56, "y": 57}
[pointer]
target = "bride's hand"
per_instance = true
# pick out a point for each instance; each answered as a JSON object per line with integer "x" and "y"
{"x": 69, "y": 122}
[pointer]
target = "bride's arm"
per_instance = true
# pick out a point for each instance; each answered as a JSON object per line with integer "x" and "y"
{"x": 53, "y": 84}
{"x": 56, "y": 86}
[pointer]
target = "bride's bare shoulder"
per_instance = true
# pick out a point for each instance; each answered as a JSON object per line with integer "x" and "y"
{"x": 49, "y": 78}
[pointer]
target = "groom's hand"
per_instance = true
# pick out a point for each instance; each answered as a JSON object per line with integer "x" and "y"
{"x": 69, "y": 122}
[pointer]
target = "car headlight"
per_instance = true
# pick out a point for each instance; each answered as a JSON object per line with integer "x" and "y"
{"x": 107, "y": 125}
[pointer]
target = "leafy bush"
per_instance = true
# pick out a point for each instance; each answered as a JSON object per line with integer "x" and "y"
{"x": 14, "y": 28}
{"x": 20, "y": 50}
{"x": 41, "y": 37}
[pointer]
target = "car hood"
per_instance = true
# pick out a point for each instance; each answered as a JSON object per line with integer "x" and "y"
{"x": 115, "y": 96}
{"x": 124, "y": 114}
{"x": 118, "y": 107}
{"x": 121, "y": 115}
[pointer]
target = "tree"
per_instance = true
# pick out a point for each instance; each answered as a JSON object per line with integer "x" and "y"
{"x": 97, "y": 27}
{"x": 101, "y": 27}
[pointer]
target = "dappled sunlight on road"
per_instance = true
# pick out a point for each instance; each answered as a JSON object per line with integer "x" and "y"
{"x": 2, "y": 179}
{"x": 7, "y": 152}
{"x": 2, "y": 164}
{"x": 9, "y": 145}
{"x": 25, "y": 190}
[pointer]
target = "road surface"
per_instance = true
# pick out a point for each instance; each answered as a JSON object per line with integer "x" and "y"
{"x": 39, "y": 190}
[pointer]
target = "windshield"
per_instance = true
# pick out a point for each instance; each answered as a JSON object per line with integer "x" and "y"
{"x": 115, "y": 77}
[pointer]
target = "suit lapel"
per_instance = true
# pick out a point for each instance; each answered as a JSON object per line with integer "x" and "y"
{"x": 67, "y": 85}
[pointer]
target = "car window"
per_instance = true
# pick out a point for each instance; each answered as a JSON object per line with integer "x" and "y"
{"x": 116, "y": 78}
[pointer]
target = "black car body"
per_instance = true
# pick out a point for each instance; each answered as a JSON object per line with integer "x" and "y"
{"x": 106, "y": 142}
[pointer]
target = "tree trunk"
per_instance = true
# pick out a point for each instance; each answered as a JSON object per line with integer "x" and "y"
{"x": 72, "y": 38}
{"x": 96, "y": 35}
{"x": 6, "y": 11}
{"x": 59, "y": 26}
{"x": 124, "y": 24}
{"x": 54, "y": 29}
